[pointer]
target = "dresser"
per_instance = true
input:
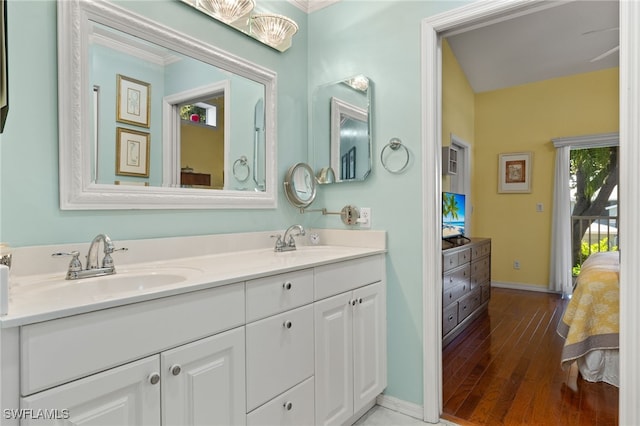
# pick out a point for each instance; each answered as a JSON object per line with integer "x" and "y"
{"x": 466, "y": 285}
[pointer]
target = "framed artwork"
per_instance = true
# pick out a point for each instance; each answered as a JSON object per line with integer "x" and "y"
{"x": 132, "y": 152}
{"x": 133, "y": 101}
{"x": 514, "y": 172}
{"x": 4, "y": 82}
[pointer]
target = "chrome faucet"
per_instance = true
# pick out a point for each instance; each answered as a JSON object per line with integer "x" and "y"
{"x": 93, "y": 269}
{"x": 287, "y": 242}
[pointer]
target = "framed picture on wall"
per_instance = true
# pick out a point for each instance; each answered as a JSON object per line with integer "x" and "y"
{"x": 132, "y": 152}
{"x": 514, "y": 172}
{"x": 133, "y": 101}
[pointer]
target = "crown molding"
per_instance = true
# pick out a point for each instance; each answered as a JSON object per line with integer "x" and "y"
{"x": 309, "y": 6}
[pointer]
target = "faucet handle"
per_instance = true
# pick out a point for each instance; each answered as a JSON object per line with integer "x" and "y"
{"x": 107, "y": 260}
{"x": 75, "y": 265}
{"x": 279, "y": 242}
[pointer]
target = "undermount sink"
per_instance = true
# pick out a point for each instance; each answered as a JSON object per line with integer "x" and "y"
{"x": 123, "y": 282}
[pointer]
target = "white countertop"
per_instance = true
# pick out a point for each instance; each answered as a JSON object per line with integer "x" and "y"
{"x": 43, "y": 297}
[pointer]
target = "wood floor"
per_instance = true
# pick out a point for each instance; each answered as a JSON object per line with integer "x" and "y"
{"x": 505, "y": 369}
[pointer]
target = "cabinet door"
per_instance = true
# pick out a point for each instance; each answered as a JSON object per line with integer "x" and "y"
{"x": 334, "y": 359}
{"x": 369, "y": 344}
{"x": 123, "y": 395}
{"x": 204, "y": 381}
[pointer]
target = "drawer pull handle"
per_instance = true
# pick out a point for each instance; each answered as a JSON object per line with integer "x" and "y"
{"x": 360, "y": 301}
{"x": 175, "y": 369}
{"x": 287, "y": 285}
{"x": 288, "y": 405}
{"x": 450, "y": 317}
{"x": 287, "y": 324}
{"x": 154, "y": 378}
{"x": 353, "y": 302}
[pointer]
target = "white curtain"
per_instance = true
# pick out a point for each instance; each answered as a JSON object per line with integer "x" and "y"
{"x": 560, "y": 275}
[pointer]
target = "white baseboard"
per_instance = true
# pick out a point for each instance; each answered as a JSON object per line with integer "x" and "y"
{"x": 403, "y": 407}
{"x": 525, "y": 287}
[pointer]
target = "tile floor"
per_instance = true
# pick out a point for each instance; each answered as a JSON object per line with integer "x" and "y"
{"x": 380, "y": 416}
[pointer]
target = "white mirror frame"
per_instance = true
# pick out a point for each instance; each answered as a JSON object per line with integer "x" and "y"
{"x": 77, "y": 191}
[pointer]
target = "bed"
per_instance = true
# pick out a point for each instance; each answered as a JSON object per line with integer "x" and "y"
{"x": 590, "y": 324}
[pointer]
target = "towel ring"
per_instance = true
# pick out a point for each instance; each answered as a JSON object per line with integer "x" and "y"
{"x": 395, "y": 144}
{"x": 241, "y": 170}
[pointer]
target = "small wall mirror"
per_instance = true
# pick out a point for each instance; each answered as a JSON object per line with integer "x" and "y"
{"x": 152, "y": 118}
{"x": 300, "y": 185}
{"x": 341, "y": 128}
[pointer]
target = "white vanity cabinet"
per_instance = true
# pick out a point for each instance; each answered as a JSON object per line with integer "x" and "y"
{"x": 350, "y": 340}
{"x": 200, "y": 382}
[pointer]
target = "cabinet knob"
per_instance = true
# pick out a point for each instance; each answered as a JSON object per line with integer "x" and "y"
{"x": 154, "y": 378}
{"x": 288, "y": 405}
{"x": 450, "y": 317}
{"x": 287, "y": 285}
{"x": 353, "y": 302}
{"x": 360, "y": 301}
{"x": 287, "y": 324}
{"x": 175, "y": 369}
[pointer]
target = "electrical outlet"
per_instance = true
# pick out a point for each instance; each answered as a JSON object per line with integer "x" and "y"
{"x": 516, "y": 264}
{"x": 365, "y": 217}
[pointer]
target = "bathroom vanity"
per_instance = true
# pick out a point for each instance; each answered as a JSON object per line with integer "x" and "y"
{"x": 247, "y": 337}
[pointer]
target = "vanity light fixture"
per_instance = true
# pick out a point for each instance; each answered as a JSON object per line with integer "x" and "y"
{"x": 227, "y": 11}
{"x": 273, "y": 30}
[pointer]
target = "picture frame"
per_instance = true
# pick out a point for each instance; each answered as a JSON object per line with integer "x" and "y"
{"x": 132, "y": 152}
{"x": 514, "y": 172}
{"x": 133, "y": 101}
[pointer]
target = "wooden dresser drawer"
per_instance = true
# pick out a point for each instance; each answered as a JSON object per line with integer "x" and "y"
{"x": 469, "y": 303}
{"x": 480, "y": 250}
{"x": 294, "y": 407}
{"x": 449, "y": 261}
{"x": 278, "y": 293}
{"x": 451, "y": 294}
{"x": 457, "y": 276}
{"x": 449, "y": 318}
{"x": 84, "y": 344}
{"x": 480, "y": 266}
{"x": 280, "y": 354}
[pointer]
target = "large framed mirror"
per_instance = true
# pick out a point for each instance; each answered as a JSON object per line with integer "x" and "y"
{"x": 341, "y": 129}
{"x": 151, "y": 118}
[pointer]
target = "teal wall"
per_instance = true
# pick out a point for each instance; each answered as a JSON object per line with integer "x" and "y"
{"x": 381, "y": 39}
{"x": 377, "y": 38}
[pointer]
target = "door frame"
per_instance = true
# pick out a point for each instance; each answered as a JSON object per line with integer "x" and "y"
{"x": 431, "y": 137}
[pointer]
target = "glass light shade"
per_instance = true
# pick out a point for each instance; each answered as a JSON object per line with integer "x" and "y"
{"x": 227, "y": 11}
{"x": 272, "y": 29}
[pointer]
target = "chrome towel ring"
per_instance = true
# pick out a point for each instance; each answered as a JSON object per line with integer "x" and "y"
{"x": 241, "y": 169}
{"x": 395, "y": 145}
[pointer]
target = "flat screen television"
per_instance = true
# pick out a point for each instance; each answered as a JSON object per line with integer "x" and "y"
{"x": 453, "y": 206}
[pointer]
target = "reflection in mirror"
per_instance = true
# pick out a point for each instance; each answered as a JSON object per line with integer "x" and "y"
{"x": 300, "y": 185}
{"x": 341, "y": 127}
{"x": 200, "y": 108}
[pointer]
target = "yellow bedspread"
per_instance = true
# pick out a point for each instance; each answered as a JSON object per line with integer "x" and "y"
{"x": 592, "y": 318}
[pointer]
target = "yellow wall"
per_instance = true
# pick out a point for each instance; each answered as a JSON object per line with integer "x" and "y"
{"x": 457, "y": 104}
{"x": 202, "y": 149}
{"x": 526, "y": 118}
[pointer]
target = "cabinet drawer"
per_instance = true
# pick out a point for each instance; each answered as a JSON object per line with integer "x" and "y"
{"x": 449, "y": 318}
{"x": 273, "y": 295}
{"x": 464, "y": 256}
{"x": 451, "y": 294}
{"x": 344, "y": 276}
{"x": 279, "y": 354}
{"x": 468, "y": 304}
{"x": 480, "y": 250}
{"x": 457, "y": 276}
{"x": 85, "y": 344}
{"x": 481, "y": 266}
{"x": 486, "y": 291}
{"x": 449, "y": 261}
{"x": 294, "y": 407}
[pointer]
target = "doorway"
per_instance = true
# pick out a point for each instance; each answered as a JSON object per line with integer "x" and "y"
{"x": 432, "y": 28}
